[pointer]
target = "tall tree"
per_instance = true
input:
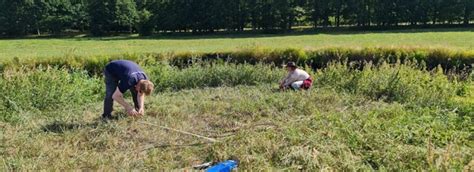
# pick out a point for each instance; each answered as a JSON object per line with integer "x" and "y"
{"x": 319, "y": 12}
{"x": 413, "y": 12}
{"x": 468, "y": 7}
{"x": 101, "y": 14}
{"x": 80, "y": 16}
{"x": 125, "y": 15}
{"x": 288, "y": 11}
{"x": 359, "y": 12}
{"x": 13, "y": 17}
{"x": 268, "y": 19}
{"x": 339, "y": 7}
{"x": 112, "y": 15}
{"x": 59, "y": 15}
{"x": 20, "y": 17}
{"x": 239, "y": 14}
{"x": 146, "y": 18}
{"x": 451, "y": 11}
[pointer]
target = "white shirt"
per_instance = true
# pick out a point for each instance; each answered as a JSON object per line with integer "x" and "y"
{"x": 296, "y": 75}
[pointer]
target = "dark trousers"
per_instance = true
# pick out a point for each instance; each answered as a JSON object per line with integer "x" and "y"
{"x": 111, "y": 84}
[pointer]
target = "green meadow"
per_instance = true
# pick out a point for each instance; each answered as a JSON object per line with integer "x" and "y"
{"x": 457, "y": 39}
{"x": 406, "y": 106}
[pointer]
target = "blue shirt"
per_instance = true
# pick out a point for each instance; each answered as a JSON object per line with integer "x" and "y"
{"x": 127, "y": 72}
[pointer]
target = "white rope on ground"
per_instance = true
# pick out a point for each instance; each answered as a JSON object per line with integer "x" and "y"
{"x": 179, "y": 131}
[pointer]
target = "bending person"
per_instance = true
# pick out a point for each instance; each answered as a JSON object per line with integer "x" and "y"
{"x": 120, "y": 76}
{"x": 297, "y": 79}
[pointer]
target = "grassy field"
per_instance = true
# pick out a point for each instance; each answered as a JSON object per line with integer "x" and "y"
{"x": 456, "y": 39}
{"x": 263, "y": 129}
{"x": 387, "y": 117}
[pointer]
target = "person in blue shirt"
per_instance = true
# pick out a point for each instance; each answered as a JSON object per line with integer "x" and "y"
{"x": 123, "y": 75}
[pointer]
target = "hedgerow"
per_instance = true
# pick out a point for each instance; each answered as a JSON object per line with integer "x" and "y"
{"x": 431, "y": 58}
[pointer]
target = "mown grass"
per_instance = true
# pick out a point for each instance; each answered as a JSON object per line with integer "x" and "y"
{"x": 456, "y": 39}
{"x": 385, "y": 117}
{"x": 320, "y": 129}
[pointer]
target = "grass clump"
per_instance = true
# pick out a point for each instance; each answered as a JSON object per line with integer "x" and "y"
{"x": 212, "y": 75}
{"x": 44, "y": 89}
{"x": 393, "y": 83}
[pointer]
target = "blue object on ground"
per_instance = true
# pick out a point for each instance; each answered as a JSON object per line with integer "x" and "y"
{"x": 225, "y": 166}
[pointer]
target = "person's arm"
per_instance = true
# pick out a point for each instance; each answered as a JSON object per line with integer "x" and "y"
{"x": 283, "y": 82}
{"x": 118, "y": 96}
{"x": 290, "y": 79}
{"x": 141, "y": 103}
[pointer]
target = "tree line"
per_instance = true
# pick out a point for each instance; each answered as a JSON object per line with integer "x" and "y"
{"x": 102, "y": 17}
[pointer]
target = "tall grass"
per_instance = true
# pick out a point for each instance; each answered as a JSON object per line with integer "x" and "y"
{"x": 378, "y": 117}
{"x": 212, "y": 75}
{"x": 393, "y": 82}
{"x": 46, "y": 89}
{"x": 319, "y": 129}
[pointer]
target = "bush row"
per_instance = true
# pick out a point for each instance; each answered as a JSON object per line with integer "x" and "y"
{"x": 431, "y": 58}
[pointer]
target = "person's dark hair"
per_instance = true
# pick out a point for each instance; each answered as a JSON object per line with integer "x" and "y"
{"x": 291, "y": 64}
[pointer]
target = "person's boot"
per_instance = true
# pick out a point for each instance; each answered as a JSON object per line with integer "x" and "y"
{"x": 106, "y": 117}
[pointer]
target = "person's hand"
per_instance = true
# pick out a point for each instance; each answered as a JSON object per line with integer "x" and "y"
{"x": 141, "y": 111}
{"x": 132, "y": 112}
{"x": 282, "y": 88}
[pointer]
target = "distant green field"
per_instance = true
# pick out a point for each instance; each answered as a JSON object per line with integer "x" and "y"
{"x": 462, "y": 39}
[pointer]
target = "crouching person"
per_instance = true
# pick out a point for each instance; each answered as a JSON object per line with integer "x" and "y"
{"x": 297, "y": 79}
{"x": 120, "y": 76}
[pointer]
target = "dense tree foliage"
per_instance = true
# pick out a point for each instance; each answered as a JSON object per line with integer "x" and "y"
{"x": 100, "y": 17}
